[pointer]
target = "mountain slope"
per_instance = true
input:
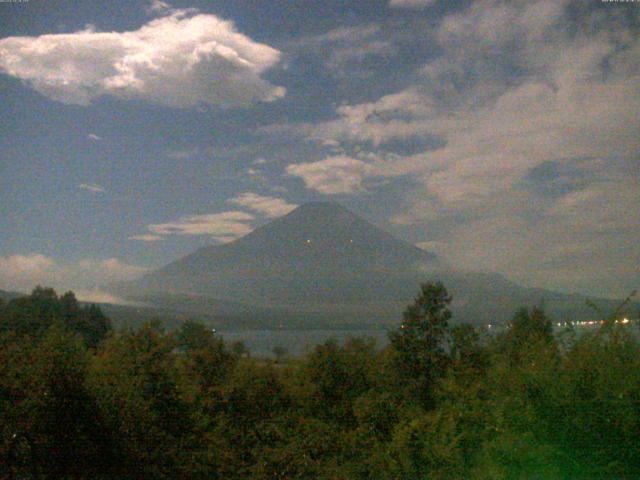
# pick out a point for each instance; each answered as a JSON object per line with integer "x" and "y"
{"x": 319, "y": 252}
{"x": 325, "y": 264}
{"x": 8, "y": 295}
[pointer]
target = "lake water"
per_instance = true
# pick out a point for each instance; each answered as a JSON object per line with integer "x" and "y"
{"x": 297, "y": 342}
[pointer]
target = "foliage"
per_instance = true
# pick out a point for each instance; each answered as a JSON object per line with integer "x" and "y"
{"x": 440, "y": 402}
{"x": 34, "y": 314}
{"x": 48, "y": 421}
{"x": 419, "y": 344}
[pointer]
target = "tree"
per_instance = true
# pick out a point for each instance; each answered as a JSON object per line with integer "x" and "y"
{"x": 206, "y": 358}
{"x": 532, "y": 326}
{"x": 419, "y": 342}
{"x": 193, "y": 335}
{"x": 143, "y": 397}
{"x": 94, "y": 325}
{"x": 49, "y": 418}
{"x": 31, "y": 316}
{"x": 280, "y": 352}
{"x": 527, "y": 329}
{"x": 254, "y": 399}
{"x": 339, "y": 375}
{"x": 467, "y": 350}
{"x": 239, "y": 349}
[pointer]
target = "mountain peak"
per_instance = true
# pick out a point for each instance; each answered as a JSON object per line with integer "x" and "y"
{"x": 322, "y": 205}
{"x": 327, "y": 209}
{"x": 318, "y": 240}
{"x": 327, "y": 223}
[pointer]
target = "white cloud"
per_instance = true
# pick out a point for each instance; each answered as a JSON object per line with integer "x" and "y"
{"x": 92, "y": 187}
{"x": 333, "y": 175}
{"x": 514, "y": 86}
{"x": 93, "y": 136}
{"x": 411, "y": 3}
{"x": 494, "y": 125}
{"x": 15, "y": 268}
{"x": 146, "y": 237}
{"x": 269, "y": 206}
{"x": 223, "y": 227}
{"x": 158, "y": 7}
{"x": 588, "y": 244}
{"x": 109, "y": 270}
{"x": 23, "y": 272}
{"x": 181, "y": 60}
{"x": 600, "y": 207}
{"x": 398, "y": 115}
{"x": 96, "y": 295}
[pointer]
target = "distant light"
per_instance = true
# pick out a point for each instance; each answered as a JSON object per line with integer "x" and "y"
{"x": 351, "y": 240}
{"x": 308, "y": 241}
{"x": 625, "y": 320}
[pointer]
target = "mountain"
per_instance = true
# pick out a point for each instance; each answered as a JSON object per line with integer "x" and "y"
{"x": 323, "y": 265}
{"x": 6, "y": 296}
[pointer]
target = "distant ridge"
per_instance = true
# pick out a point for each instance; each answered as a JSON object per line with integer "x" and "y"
{"x": 322, "y": 263}
{"x": 9, "y": 295}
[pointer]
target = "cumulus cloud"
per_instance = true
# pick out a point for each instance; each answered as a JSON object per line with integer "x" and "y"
{"x": 22, "y": 272}
{"x": 269, "y": 206}
{"x": 181, "y": 59}
{"x": 333, "y": 175}
{"x": 93, "y": 136}
{"x": 92, "y": 187}
{"x": 223, "y": 227}
{"x": 411, "y": 3}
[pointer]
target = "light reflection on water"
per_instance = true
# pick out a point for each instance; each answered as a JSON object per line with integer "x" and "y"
{"x": 261, "y": 343}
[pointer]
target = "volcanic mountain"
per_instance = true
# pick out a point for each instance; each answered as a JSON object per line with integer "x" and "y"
{"x": 325, "y": 265}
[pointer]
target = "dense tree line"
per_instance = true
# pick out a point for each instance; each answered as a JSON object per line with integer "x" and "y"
{"x": 79, "y": 400}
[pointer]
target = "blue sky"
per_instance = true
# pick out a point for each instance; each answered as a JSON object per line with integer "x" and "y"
{"x": 504, "y": 136}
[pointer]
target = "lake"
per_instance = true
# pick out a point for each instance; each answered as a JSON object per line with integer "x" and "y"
{"x": 297, "y": 342}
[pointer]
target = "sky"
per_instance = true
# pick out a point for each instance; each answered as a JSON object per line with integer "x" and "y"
{"x": 503, "y": 136}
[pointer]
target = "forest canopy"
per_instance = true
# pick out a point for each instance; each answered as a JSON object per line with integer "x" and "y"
{"x": 441, "y": 401}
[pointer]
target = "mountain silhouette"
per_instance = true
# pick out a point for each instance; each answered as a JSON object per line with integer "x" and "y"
{"x": 322, "y": 263}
